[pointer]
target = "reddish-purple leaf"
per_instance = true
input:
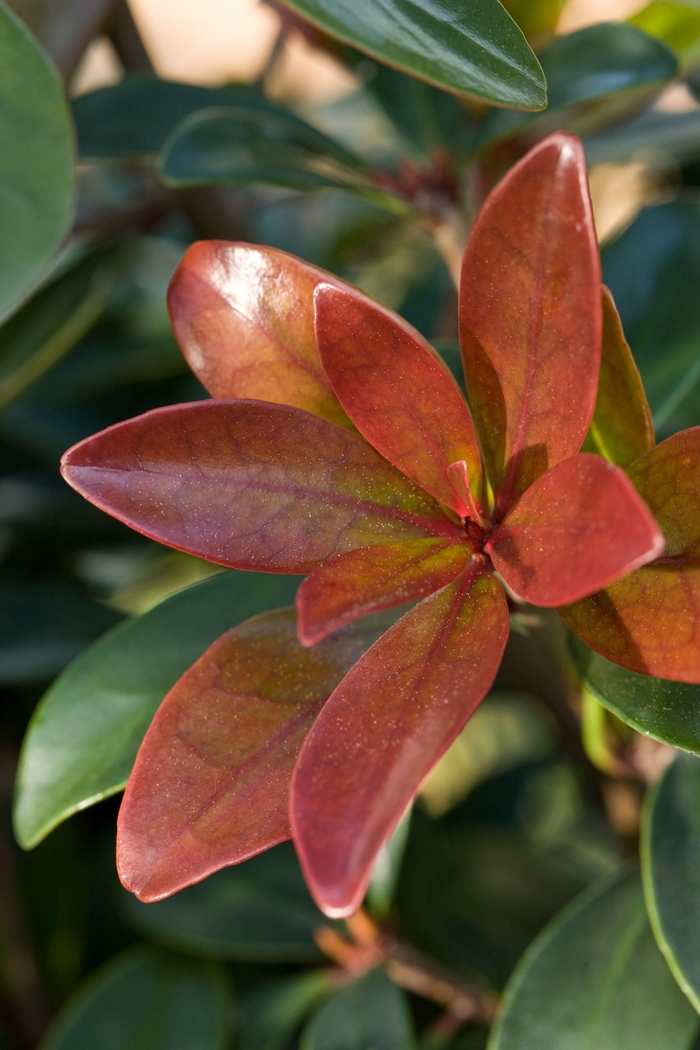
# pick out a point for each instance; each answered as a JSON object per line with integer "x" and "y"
{"x": 251, "y": 485}
{"x": 385, "y": 726}
{"x": 396, "y": 391}
{"x": 244, "y": 317}
{"x": 530, "y": 317}
{"x": 210, "y": 786}
{"x": 621, "y": 428}
{"x": 578, "y": 528}
{"x": 374, "y": 578}
{"x": 650, "y": 621}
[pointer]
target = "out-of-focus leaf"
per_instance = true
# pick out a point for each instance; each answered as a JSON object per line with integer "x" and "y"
{"x": 652, "y": 271}
{"x": 670, "y": 867}
{"x": 404, "y": 401}
{"x": 259, "y": 910}
{"x": 476, "y": 51}
{"x": 579, "y": 527}
{"x": 210, "y": 786}
{"x": 595, "y": 977}
{"x": 145, "y": 999}
{"x": 474, "y": 896}
{"x": 669, "y": 138}
{"x": 50, "y": 325}
{"x": 84, "y": 735}
{"x": 371, "y": 1012}
{"x": 621, "y": 428}
{"x": 535, "y": 17}
{"x": 134, "y": 117}
{"x": 64, "y": 27}
{"x": 234, "y": 145}
{"x": 399, "y": 708}
{"x": 530, "y": 317}
{"x": 677, "y": 24}
{"x": 36, "y": 162}
{"x": 44, "y": 625}
{"x": 612, "y": 63}
{"x": 648, "y": 621}
{"x": 270, "y": 1016}
{"x": 667, "y": 711}
{"x": 250, "y": 484}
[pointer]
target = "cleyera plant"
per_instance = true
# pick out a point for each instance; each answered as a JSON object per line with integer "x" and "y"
{"x": 384, "y": 663}
{"x": 338, "y": 445}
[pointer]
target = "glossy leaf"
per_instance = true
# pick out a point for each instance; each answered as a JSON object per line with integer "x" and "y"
{"x": 676, "y": 24}
{"x": 670, "y": 855}
{"x": 374, "y": 578}
{"x": 649, "y": 621}
{"x": 244, "y": 318}
{"x": 396, "y": 391}
{"x": 481, "y": 53}
{"x": 595, "y": 977}
{"x": 664, "y": 710}
{"x": 611, "y": 64}
{"x": 270, "y": 1016}
{"x": 530, "y": 317}
{"x": 241, "y": 146}
{"x": 179, "y": 1003}
{"x": 621, "y": 428}
{"x": 578, "y": 528}
{"x": 370, "y": 1012}
{"x": 210, "y": 786}
{"x": 250, "y": 485}
{"x": 134, "y": 117}
{"x": 257, "y": 911}
{"x": 84, "y": 735}
{"x": 64, "y": 27}
{"x": 399, "y": 708}
{"x": 36, "y": 170}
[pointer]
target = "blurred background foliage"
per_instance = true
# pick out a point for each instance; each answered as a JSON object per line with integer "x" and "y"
{"x": 233, "y": 119}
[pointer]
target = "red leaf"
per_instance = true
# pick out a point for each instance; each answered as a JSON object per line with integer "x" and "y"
{"x": 578, "y": 528}
{"x": 396, "y": 391}
{"x": 244, "y": 318}
{"x": 210, "y": 786}
{"x": 650, "y": 621}
{"x": 530, "y": 317}
{"x": 621, "y": 428}
{"x": 374, "y": 578}
{"x": 384, "y": 728}
{"x": 250, "y": 485}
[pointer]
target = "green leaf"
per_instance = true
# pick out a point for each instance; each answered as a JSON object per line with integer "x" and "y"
{"x": 674, "y": 138}
{"x": 44, "y": 625}
{"x": 653, "y": 270}
{"x": 233, "y": 145}
{"x": 664, "y": 710}
{"x": 611, "y": 61}
{"x": 52, "y": 323}
{"x": 84, "y": 735}
{"x": 259, "y": 910}
{"x": 270, "y": 1015}
{"x": 370, "y": 1013}
{"x": 671, "y": 870}
{"x": 677, "y": 24}
{"x": 146, "y": 1000}
{"x": 595, "y": 979}
{"x": 536, "y": 18}
{"x": 134, "y": 117}
{"x": 36, "y": 162}
{"x": 475, "y": 49}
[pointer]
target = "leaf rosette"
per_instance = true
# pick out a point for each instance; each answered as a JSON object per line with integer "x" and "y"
{"x": 338, "y": 445}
